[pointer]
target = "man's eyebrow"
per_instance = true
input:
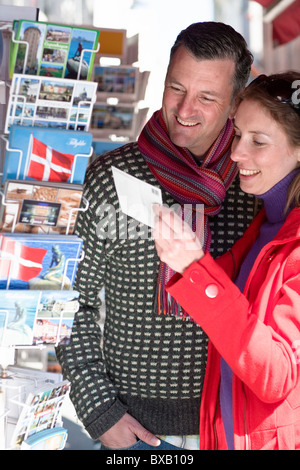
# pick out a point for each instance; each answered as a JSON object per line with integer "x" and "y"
{"x": 173, "y": 80}
{"x": 205, "y": 92}
{"x": 211, "y": 92}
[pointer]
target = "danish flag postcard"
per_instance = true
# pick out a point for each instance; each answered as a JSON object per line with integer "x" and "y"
{"x": 38, "y": 262}
{"x": 45, "y": 154}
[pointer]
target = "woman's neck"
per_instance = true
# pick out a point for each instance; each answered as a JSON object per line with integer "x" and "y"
{"x": 275, "y": 199}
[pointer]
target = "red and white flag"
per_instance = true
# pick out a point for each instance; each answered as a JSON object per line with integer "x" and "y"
{"x": 18, "y": 261}
{"x": 47, "y": 164}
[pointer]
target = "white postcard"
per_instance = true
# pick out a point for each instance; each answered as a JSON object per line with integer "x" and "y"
{"x": 136, "y": 197}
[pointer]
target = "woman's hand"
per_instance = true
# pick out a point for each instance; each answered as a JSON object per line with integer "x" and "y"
{"x": 176, "y": 243}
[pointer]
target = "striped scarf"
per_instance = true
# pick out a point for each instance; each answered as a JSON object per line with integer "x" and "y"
{"x": 189, "y": 183}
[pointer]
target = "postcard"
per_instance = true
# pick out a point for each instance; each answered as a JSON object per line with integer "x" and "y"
{"x": 34, "y": 317}
{"x": 56, "y": 50}
{"x": 136, "y": 197}
{"x": 30, "y": 207}
{"x": 48, "y": 439}
{"x": 117, "y": 81}
{"x": 45, "y": 154}
{"x": 40, "y": 412}
{"x": 55, "y": 317}
{"x": 113, "y": 119}
{"x": 38, "y": 262}
{"x": 50, "y": 102}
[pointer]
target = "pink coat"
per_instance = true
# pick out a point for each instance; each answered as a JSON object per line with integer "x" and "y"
{"x": 257, "y": 333}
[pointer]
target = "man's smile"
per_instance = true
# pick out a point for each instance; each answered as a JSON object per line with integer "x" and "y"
{"x": 186, "y": 123}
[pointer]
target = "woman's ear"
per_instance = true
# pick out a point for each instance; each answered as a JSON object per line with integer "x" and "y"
{"x": 234, "y": 107}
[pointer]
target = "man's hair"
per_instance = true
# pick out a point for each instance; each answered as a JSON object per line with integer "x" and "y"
{"x": 212, "y": 40}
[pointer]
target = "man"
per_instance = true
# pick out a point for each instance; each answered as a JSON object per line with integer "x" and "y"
{"x": 147, "y": 381}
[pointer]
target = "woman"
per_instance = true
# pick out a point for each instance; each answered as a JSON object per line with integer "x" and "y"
{"x": 248, "y": 301}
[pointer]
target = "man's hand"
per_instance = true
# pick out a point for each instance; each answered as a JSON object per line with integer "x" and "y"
{"x": 125, "y": 434}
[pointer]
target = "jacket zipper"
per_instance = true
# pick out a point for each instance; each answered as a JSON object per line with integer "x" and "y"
{"x": 247, "y": 439}
{"x": 214, "y": 420}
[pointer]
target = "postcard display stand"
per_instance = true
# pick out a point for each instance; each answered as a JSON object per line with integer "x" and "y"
{"x": 47, "y": 148}
{"x": 118, "y": 114}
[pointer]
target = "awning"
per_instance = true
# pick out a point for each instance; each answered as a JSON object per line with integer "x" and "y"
{"x": 285, "y": 18}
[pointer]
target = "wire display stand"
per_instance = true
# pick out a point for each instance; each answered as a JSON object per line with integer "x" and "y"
{"x": 17, "y": 383}
{"x": 34, "y": 396}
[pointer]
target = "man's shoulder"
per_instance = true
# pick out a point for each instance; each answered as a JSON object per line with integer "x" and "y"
{"x": 121, "y": 157}
{"x": 127, "y": 158}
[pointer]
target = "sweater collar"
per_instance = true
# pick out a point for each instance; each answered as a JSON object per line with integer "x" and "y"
{"x": 275, "y": 198}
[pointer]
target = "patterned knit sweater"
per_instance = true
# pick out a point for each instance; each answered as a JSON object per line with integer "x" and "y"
{"x": 148, "y": 365}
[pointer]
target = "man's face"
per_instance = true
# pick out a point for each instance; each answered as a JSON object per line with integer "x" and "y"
{"x": 197, "y": 100}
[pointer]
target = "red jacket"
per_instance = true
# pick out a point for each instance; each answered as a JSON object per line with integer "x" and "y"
{"x": 257, "y": 333}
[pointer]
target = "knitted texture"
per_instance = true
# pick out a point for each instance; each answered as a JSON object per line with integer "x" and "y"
{"x": 150, "y": 366}
{"x": 189, "y": 182}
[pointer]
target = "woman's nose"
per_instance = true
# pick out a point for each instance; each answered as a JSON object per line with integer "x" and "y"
{"x": 238, "y": 152}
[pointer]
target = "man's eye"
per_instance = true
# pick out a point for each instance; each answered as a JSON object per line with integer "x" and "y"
{"x": 176, "y": 88}
{"x": 206, "y": 99}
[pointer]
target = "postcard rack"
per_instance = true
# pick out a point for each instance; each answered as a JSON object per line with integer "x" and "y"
{"x": 77, "y": 113}
{"x": 74, "y": 113}
{"x": 30, "y": 403}
{"x": 16, "y": 383}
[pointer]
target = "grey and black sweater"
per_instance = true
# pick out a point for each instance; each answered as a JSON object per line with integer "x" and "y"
{"x": 150, "y": 366}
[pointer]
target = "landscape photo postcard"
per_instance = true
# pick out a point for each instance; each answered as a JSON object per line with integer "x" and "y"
{"x": 50, "y": 102}
{"x": 113, "y": 119}
{"x": 55, "y": 317}
{"x": 44, "y": 154}
{"x": 122, "y": 120}
{"x": 42, "y": 411}
{"x": 38, "y": 262}
{"x": 17, "y": 317}
{"x": 39, "y": 207}
{"x": 54, "y": 50}
{"x": 34, "y": 317}
{"x": 117, "y": 81}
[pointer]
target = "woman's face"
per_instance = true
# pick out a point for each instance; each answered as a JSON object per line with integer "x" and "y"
{"x": 261, "y": 149}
